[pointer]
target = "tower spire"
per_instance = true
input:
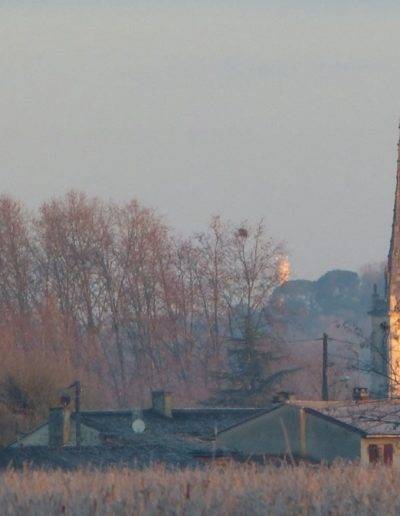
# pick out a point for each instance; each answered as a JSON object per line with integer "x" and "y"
{"x": 396, "y": 211}
{"x": 393, "y": 372}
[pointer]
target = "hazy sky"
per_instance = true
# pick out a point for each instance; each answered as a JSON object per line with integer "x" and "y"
{"x": 286, "y": 110}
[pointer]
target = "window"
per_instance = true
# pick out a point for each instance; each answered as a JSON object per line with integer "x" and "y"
{"x": 373, "y": 453}
{"x": 381, "y": 454}
{"x": 388, "y": 454}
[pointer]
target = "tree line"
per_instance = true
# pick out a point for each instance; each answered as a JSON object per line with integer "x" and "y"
{"x": 110, "y": 293}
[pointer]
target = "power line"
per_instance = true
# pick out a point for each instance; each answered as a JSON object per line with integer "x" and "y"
{"x": 301, "y": 341}
{"x": 344, "y": 341}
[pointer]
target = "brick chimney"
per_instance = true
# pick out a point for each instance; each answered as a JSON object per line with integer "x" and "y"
{"x": 162, "y": 403}
{"x": 60, "y": 424}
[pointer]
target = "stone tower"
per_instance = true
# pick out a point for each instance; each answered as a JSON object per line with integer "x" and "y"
{"x": 393, "y": 346}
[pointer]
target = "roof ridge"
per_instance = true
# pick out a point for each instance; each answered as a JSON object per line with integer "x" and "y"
{"x": 214, "y": 409}
{"x": 107, "y": 412}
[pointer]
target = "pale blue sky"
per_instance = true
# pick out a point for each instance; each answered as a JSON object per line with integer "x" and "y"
{"x": 284, "y": 110}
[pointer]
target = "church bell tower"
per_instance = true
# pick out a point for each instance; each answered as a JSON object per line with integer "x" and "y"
{"x": 393, "y": 345}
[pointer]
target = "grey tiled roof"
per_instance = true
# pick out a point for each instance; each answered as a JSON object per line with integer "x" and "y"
{"x": 179, "y": 440}
{"x": 196, "y": 423}
{"x": 373, "y": 417}
{"x": 95, "y": 456}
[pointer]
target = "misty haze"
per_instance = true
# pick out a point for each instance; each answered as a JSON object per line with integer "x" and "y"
{"x": 199, "y": 257}
{"x": 251, "y": 110}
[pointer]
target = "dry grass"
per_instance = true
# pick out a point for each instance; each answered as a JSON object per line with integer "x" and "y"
{"x": 233, "y": 490}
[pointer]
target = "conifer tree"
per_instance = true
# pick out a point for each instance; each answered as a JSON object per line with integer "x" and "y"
{"x": 252, "y": 371}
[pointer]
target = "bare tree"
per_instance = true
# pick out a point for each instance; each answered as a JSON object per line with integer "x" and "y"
{"x": 253, "y": 270}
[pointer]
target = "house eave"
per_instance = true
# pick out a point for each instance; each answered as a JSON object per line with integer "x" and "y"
{"x": 382, "y": 436}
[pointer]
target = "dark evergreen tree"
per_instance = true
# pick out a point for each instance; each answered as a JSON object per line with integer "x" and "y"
{"x": 252, "y": 370}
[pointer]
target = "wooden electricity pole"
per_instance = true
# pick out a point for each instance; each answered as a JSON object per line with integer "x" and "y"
{"x": 325, "y": 388}
{"x": 78, "y": 434}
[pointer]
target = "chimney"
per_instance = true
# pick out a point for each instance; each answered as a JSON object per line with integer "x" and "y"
{"x": 60, "y": 424}
{"x": 360, "y": 394}
{"x": 283, "y": 397}
{"x": 162, "y": 403}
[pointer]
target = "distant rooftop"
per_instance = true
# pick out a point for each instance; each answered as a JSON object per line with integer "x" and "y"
{"x": 373, "y": 417}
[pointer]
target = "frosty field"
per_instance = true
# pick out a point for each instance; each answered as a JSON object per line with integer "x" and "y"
{"x": 228, "y": 490}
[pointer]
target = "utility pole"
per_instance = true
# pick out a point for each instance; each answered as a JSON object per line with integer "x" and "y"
{"x": 78, "y": 390}
{"x": 325, "y": 388}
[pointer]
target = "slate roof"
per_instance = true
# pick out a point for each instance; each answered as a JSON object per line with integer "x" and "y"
{"x": 104, "y": 456}
{"x": 371, "y": 417}
{"x": 195, "y": 423}
{"x": 177, "y": 441}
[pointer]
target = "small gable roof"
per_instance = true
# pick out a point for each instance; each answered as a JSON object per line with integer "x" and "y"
{"x": 373, "y": 417}
{"x": 368, "y": 418}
